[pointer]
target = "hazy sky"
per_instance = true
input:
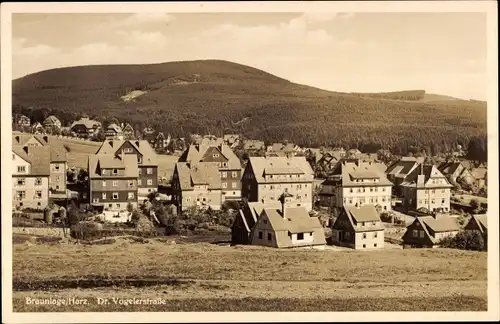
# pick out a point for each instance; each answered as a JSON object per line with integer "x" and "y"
{"x": 362, "y": 52}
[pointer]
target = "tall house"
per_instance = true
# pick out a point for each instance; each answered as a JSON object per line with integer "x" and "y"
{"x": 356, "y": 183}
{"x": 229, "y": 166}
{"x": 30, "y": 177}
{"x": 146, "y": 159}
{"x": 266, "y": 178}
{"x": 426, "y": 187}
{"x": 197, "y": 185}
{"x": 114, "y": 131}
{"x": 113, "y": 181}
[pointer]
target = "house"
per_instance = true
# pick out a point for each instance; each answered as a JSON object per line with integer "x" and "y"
{"x": 288, "y": 226}
{"x": 354, "y": 182}
{"x": 232, "y": 140}
{"x": 114, "y": 131}
{"x": 265, "y": 179}
{"x": 426, "y": 188}
{"x": 51, "y": 123}
{"x": 246, "y": 218}
{"x": 128, "y": 132}
{"x": 253, "y": 146}
{"x": 228, "y": 163}
{"x": 328, "y": 159}
{"x": 30, "y": 179}
{"x": 37, "y": 128}
{"x": 22, "y": 120}
{"x": 480, "y": 176}
{"x": 358, "y": 228}
{"x": 427, "y": 231}
{"x": 147, "y": 162}
{"x": 21, "y": 139}
{"x": 455, "y": 172}
{"x": 113, "y": 181}
{"x": 478, "y": 223}
{"x": 197, "y": 185}
{"x": 85, "y": 127}
{"x": 279, "y": 149}
{"x": 399, "y": 170}
{"x": 161, "y": 142}
{"x": 211, "y": 140}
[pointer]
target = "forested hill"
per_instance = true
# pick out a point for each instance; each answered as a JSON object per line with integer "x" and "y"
{"x": 214, "y": 96}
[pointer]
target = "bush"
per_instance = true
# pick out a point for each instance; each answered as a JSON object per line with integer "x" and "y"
{"x": 464, "y": 240}
{"x": 86, "y": 230}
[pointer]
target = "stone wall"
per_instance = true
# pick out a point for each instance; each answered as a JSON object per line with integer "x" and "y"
{"x": 40, "y": 231}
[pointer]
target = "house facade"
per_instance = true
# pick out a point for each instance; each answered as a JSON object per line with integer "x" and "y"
{"x": 455, "y": 172}
{"x": 287, "y": 227}
{"x": 354, "y": 182}
{"x": 22, "y": 120}
{"x": 246, "y": 218}
{"x": 426, "y": 188}
{"x": 113, "y": 181}
{"x": 228, "y": 163}
{"x": 114, "y": 131}
{"x": 428, "y": 231}
{"x": 85, "y": 127}
{"x": 479, "y": 224}
{"x": 51, "y": 123}
{"x": 399, "y": 170}
{"x": 30, "y": 180}
{"x": 358, "y": 228}
{"x": 266, "y": 178}
{"x": 197, "y": 185}
{"x": 128, "y": 132}
{"x": 147, "y": 162}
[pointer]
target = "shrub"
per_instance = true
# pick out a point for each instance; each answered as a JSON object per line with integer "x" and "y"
{"x": 86, "y": 230}
{"x": 474, "y": 203}
{"x": 464, "y": 240}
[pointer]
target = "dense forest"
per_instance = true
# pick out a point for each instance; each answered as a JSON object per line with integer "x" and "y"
{"x": 219, "y": 97}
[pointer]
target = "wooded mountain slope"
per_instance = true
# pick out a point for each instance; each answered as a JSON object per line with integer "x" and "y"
{"x": 214, "y": 96}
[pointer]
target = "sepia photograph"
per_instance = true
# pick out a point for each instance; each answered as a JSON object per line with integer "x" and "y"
{"x": 319, "y": 157}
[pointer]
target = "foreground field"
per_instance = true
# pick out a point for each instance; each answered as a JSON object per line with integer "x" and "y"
{"x": 204, "y": 277}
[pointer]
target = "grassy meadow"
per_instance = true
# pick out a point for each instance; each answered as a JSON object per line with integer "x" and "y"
{"x": 206, "y": 277}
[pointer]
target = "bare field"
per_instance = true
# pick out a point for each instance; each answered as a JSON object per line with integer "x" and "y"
{"x": 206, "y": 277}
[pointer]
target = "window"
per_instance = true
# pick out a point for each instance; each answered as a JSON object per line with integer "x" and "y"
{"x": 362, "y": 223}
{"x": 58, "y": 178}
{"x": 234, "y": 174}
{"x": 425, "y": 201}
{"x": 38, "y": 181}
{"x": 140, "y": 170}
{"x": 224, "y": 174}
{"x": 215, "y": 155}
{"x": 21, "y": 181}
{"x": 20, "y": 195}
{"x": 149, "y": 170}
{"x": 103, "y": 195}
{"x": 131, "y": 183}
{"x": 364, "y": 246}
{"x": 364, "y": 235}
{"x": 131, "y": 195}
{"x": 371, "y": 189}
{"x": 110, "y": 205}
{"x": 422, "y": 234}
{"x": 433, "y": 191}
{"x": 21, "y": 168}
{"x": 56, "y": 167}
{"x": 115, "y": 171}
{"x": 115, "y": 183}
{"x": 150, "y": 182}
{"x": 443, "y": 201}
{"x": 260, "y": 235}
{"x": 269, "y": 236}
{"x": 374, "y": 244}
{"x": 104, "y": 171}
{"x": 415, "y": 233}
{"x": 224, "y": 185}
{"x": 264, "y": 221}
{"x": 104, "y": 183}
{"x": 95, "y": 200}
{"x": 139, "y": 182}
{"x": 224, "y": 164}
{"x": 127, "y": 150}
{"x": 234, "y": 185}
{"x": 375, "y": 235}
{"x": 433, "y": 201}
{"x": 38, "y": 194}
{"x": 115, "y": 195}
{"x": 300, "y": 236}
{"x": 383, "y": 189}
{"x": 442, "y": 191}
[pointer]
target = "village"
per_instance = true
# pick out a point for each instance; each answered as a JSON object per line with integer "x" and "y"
{"x": 91, "y": 181}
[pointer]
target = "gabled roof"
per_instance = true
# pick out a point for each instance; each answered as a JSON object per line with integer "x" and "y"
{"x": 253, "y": 145}
{"x": 479, "y": 173}
{"x": 366, "y": 213}
{"x": 349, "y": 171}
{"x": 402, "y": 168}
{"x": 297, "y": 220}
{"x": 429, "y": 172}
{"x": 52, "y": 120}
{"x": 114, "y": 127}
{"x": 440, "y": 224}
{"x": 39, "y": 157}
{"x": 294, "y": 165}
{"x": 206, "y": 173}
{"x": 22, "y": 139}
{"x": 480, "y": 220}
{"x": 128, "y": 128}
{"x": 88, "y": 123}
{"x": 195, "y": 153}
{"x": 126, "y": 162}
{"x": 149, "y": 156}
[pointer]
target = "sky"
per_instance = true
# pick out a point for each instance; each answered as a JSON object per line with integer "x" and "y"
{"x": 442, "y": 53}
